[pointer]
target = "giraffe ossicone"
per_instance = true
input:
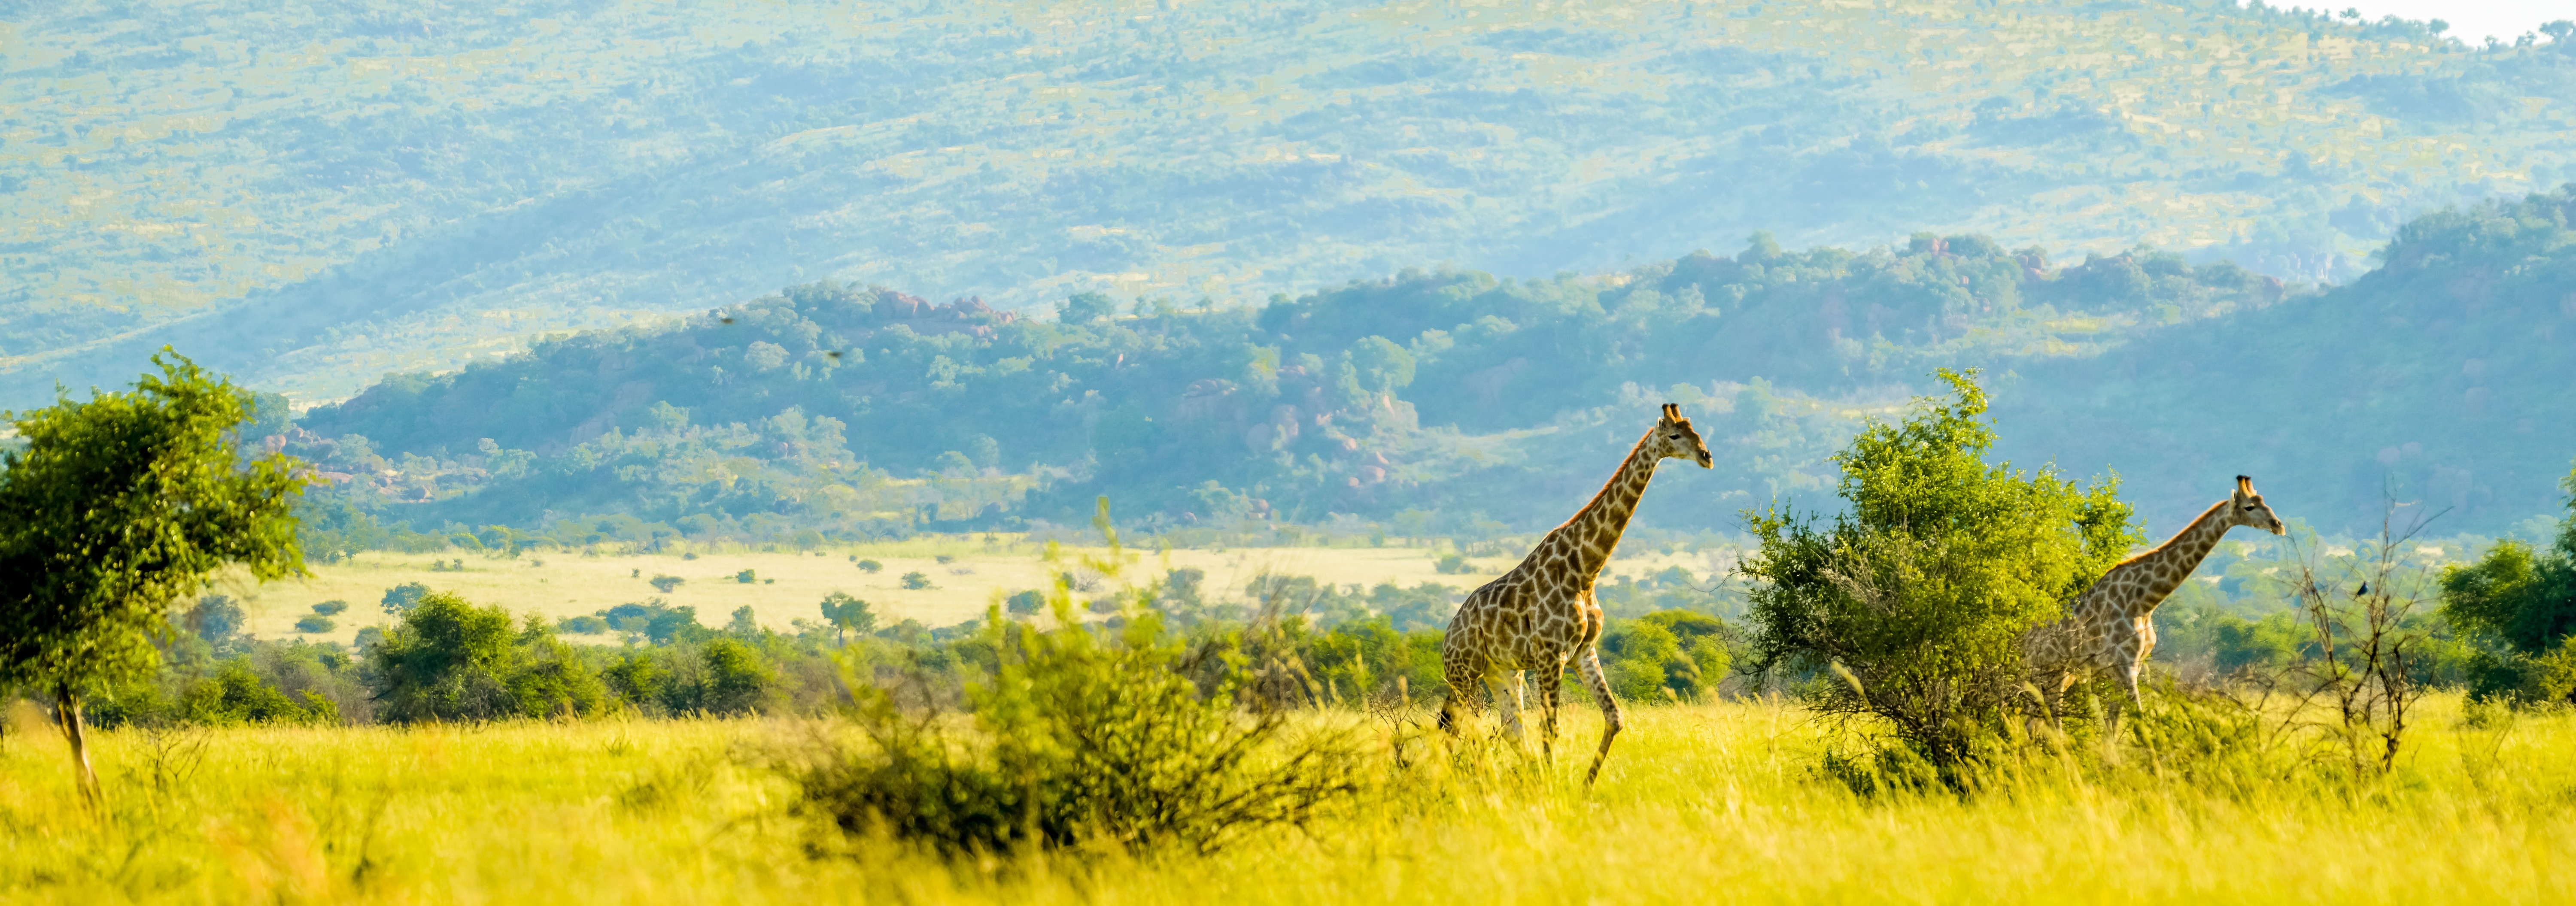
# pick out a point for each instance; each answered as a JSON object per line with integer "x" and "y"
{"x": 2111, "y": 627}
{"x": 1542, "y": 615}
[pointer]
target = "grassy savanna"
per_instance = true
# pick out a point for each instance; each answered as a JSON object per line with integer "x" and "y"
{"x": 1699, "y": 799}
{"x": 789, "y": 584}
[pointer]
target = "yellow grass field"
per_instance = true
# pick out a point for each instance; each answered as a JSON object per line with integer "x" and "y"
{"x": 1707, "y": 803}
{"x": 791, "y": 584}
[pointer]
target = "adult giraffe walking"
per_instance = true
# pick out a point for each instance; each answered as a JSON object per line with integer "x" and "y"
{"x": 2112, "y": 627}
{"x": 1542, "y": 615}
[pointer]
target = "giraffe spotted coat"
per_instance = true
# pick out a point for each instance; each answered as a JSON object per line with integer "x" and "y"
{"x": 2111, "y": 628}
{"x": 1542, "y": 616}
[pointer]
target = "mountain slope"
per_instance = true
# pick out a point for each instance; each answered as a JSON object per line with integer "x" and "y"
{"x": 396, "y": 193}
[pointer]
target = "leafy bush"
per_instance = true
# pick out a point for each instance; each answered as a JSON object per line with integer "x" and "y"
{"x": 2521, "y": 605}
{"x": 1683, "y": 651}
{"x": 583, "y": 625}
{"x": 871, "y": 566}
{"x": 745, "y": 577}
{"x": 216, "y": 619}
{"x": 916, "y": 581}
{"x": 664, "y": 584}
{"x": 315, "y": 623}
{"x": 1026, "y": 603}
{"x": 1136, "y": 740}
{"x": 235, "y": 695}
{"x": 723, "y": 676}
{"x": 331, "y": 608}
{"x": 404, "y": 597}
{"x": 450, "y": 660}
{"x": 1915, "y": 603}
{"x": 846, "y": 614}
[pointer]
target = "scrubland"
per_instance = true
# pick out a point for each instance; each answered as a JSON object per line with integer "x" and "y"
{"x": 1697, "y": 803}
{"x": 787, "y": 584}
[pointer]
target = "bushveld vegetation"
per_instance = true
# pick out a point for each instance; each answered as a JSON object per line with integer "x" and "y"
{"x": 1155, "y": 742}
{"x": 1456, "y": 404}
{"x": 401, "y": 194}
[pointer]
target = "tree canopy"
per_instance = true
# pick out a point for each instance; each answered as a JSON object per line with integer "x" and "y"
{"x": 118, "y": 507}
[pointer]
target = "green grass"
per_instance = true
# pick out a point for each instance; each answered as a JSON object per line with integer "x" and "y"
{"x": 1697, "y": 803}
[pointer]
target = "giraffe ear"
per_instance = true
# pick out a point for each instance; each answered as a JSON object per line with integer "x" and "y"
{"x": 2244, "y": 486}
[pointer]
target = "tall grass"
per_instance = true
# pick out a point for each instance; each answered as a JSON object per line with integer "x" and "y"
{"x": 1717, "y": 801}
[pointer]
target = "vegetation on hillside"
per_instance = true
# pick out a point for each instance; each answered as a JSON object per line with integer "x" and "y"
{"x": 1448, "y": 396}
{"x": 1440, "y": 402}
{"x": 402, "y": 192}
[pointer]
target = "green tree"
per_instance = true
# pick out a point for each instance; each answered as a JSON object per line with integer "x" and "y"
{"x": 451, "y": 660}
{"x": 1915, "y": 602}
{"x": 847, "y": 614}
{"x": 443, "y": 661}
{"x": 404, "y": 597}
{"x": 2524, "y": 600}
{"x": 115, "y": 509}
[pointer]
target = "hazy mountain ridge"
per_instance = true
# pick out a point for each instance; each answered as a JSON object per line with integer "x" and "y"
{"x": 398, "y": 194}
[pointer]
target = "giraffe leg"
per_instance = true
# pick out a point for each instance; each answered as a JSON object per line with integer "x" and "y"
{"x": 2129, "y": 684}
{"x": 1463, "y": 683}
{"x": 1507, "y": 699}
{"x": 1551, "y": 686}
{"x": 1611, "y": 720}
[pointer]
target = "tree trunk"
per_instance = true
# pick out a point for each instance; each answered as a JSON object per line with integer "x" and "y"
{"x": 67, "y": 712}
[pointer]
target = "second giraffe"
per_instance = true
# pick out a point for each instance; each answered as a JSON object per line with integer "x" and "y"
{"x": 1541, "y": 615}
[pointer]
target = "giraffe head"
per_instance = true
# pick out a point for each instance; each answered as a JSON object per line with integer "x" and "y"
{"x": 1674, "y": 438}
{"x": 2248, "y": 509}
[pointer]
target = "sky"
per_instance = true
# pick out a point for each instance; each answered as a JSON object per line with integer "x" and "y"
{"x": 2471, "y": 20}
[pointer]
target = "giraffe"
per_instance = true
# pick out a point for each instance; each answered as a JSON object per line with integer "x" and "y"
{"x": 2112, "y": 627}
{"x": 1541, "y": 615}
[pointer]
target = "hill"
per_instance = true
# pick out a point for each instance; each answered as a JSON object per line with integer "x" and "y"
{"x": 315, "y": 196}
{"x": 1464, "y": 403}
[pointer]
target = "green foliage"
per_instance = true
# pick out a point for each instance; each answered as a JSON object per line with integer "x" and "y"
{"x": 235, "y": 695}
{"x": 1687, "y": 652}
{"x": 1827, "y": 134}
{"x": 450, "y": 660}
{"x": 665, "y": 584}
{"x": 745, "y": 577}
{"x": 331, "y": 608}
{"x": 1427, "y": 605}
{"x": 114, "y": 509}
{"x": 2522, "y": 603}
{"x": 400, "y": 599}
{"x": 847, "y": 614}
{"x": 315, "y": 623}
{"x": 1916, "y": 600}
{"x": 2430, "y": 381}
{"x": 916, "y": 581}
{"x": 871, "y": 566}
{"x": 721, "y": 676}
{"x": 1025, "y": 603}
{"x": 1136, "y": 740}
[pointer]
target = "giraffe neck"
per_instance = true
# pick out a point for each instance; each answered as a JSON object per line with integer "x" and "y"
{"x": 2173, "y": 561}
{"x": 1593, "y": 533}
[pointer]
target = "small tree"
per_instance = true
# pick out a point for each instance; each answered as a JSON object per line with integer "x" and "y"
{"x": 402, "y": 598}
{"x": 116, "y": 508}
{"x": 847, "y": 614}
{"x": 664, "y": 584}
{"x": 1915, "y": 602}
